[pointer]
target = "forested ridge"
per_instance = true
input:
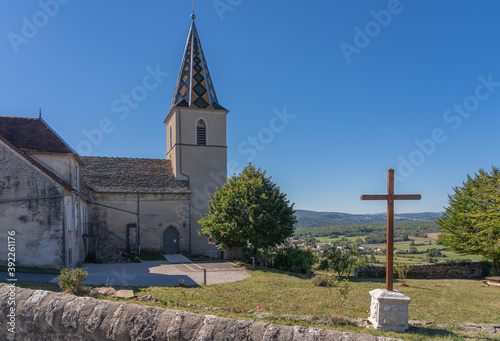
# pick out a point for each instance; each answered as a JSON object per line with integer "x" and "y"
{"x": 373, "y": 233}
{"x": 315, "y": 219}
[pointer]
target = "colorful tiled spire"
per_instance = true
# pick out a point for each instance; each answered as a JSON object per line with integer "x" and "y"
{"x": 194, "y": 87}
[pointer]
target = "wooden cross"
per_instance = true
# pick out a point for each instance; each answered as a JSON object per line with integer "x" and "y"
{"x": 390, "y": 197}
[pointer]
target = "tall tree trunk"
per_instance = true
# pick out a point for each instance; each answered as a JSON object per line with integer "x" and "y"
{"x": 496, "y": 267}
{"x": 255, "y": 254}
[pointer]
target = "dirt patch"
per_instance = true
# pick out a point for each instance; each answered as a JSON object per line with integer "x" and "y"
{"x": 433, "y": 236}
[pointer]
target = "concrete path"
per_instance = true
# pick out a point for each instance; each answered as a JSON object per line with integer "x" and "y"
{"x": 176, "y": 259}
{"x": 150, "y": 273}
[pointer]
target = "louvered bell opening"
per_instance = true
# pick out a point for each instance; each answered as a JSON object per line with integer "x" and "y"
{"x": 201, "y": 133}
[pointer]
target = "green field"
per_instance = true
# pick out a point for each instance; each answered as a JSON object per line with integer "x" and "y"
{"x": 422, "y": 257}
{"x": 328, "y": 239}
{"x": 421, "y": 244}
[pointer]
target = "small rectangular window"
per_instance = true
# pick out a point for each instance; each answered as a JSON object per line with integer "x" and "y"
{"x": 76, "y": 216}
{"x": 83, "y": 218}
{"x": 170, "y": 137}
{"x": 76, "y": 174}
{"x": 69, "y": 215}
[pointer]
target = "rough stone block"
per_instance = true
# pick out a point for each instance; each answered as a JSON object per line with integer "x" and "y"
{"x": 124, "y": 294}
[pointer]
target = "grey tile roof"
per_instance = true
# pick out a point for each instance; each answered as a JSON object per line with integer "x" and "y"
{"x": 129, "y": 175}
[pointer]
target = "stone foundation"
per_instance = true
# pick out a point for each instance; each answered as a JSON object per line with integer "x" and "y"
{"x": 42, "y": 315}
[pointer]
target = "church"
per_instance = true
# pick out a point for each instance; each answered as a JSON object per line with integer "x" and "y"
{"x": 65, "y": 208}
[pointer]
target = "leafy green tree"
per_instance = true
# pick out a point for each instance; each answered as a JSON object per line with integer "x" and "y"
{"x": 337, "y": 260}
{"x": 311, "y": 241}
{"x": 434, "y": 253}
{"x": 249, "y": 209}
{"x": 471, "y": 223}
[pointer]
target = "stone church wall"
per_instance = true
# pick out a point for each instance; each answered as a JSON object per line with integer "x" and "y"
{"x": 157, "y": 212}
{"x": 438, "y": 270}
{"x": 40, "y": 315}
{"x": 38, "y": 224}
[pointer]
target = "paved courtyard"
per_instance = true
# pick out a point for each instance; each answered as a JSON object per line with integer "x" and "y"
{"x": 151, "y": 273}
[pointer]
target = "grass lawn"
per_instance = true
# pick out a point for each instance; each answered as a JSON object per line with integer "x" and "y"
{"x": 292, "y": 299}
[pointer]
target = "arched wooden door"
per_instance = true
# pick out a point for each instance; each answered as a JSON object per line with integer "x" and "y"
{"x": 170, "y": 241}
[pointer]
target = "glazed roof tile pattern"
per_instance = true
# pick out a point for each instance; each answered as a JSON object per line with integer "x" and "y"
{"x": 130, "y": 175}
{"x": 194, "y": 87}
{"x": 32, "y": 135}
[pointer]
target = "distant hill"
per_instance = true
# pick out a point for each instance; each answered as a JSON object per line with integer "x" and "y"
{"x": 313, "y": 219}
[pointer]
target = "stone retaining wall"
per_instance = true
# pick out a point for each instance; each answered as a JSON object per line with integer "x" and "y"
{"x": 439, "y": 270}
{"x": 44, "y": 315}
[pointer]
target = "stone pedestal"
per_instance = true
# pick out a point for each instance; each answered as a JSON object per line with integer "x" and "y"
{"x": 389, "y": 310}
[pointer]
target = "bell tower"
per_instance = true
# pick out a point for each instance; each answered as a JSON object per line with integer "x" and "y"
{"x": 196, "y": 135}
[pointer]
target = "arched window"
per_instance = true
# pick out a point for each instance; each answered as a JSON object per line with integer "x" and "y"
{"x": 201, "y": 133}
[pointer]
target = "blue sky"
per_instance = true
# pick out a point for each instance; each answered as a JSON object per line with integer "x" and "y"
{"x": 324, "y": 95}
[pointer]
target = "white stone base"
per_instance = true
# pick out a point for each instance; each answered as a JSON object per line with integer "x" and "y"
{"x": 389, "y": 310}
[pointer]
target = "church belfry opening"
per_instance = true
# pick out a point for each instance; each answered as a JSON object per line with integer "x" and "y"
{"x": 201, "y": 133}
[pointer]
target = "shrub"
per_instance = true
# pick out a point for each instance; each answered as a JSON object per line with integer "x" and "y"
{"x": 343, "y": 288}
{"x": 323, "y": 265}
{"x": 294, "y": 259}
{"x": 336, "y": 290}
{"x": 402, "y": 272}
{"x": 433, "y": 253}
{"x": 72, "y": 281}
{"x": 321, "y": 281}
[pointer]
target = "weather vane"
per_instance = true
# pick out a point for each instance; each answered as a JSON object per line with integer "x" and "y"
{"x": 193, "y": 16}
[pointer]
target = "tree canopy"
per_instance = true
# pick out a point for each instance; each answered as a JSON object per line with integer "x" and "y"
{"x": 249, "y": 209}
{"x": 471, "y": 223}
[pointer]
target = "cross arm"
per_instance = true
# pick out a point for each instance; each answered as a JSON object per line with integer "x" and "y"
{"x": 374, "y": 197}
{"x": 396, "y": 197}
{"x": 407, "y": 197}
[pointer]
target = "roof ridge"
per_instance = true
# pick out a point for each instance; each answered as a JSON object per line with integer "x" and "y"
{"x": 124, "y": 157}
{"x": 23, "y": 117}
